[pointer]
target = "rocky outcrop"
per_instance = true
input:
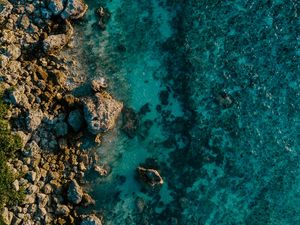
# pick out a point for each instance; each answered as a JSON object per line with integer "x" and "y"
{"x": 54, "y": 43}
{"x": 150, "y": 176}
{"x": 74, "y": 9}
{"x": 101, "y": 112}
{"x": 75, "y": 192}
{"x": 99, "y": 84}
{"x": 91, "y": 220}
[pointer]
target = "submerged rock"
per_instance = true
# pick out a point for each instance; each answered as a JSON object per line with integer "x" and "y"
{"x": 75, "y": 120}
{"x": 130, "y": 122}
{"x": 75, "y": 192}
{"x": 101, "y": 112}
{"x": 91, "y": 220}
{"x": 150, "y": 176}
{"x": 74, "y": 9}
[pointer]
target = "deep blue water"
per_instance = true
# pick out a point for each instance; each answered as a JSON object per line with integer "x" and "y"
{"x": 221, "y": 81}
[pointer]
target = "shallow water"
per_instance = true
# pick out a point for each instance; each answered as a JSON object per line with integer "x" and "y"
{"x": 222, "y": 82}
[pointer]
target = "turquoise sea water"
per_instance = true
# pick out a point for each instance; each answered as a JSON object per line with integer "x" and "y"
{"x": 220, "y": 80}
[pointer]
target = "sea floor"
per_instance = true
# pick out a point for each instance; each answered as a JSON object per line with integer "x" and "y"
{"x": 217, "y": 89}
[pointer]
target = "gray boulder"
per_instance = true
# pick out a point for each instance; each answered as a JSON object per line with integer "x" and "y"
{"x": 101, "y": 112}
{"x": 75, "y": 120}
{"x": 56, "y": 6}
{"x": 75, "y": 192}
{"x": 91, "y": 220}
{"x": 74, "y": 9}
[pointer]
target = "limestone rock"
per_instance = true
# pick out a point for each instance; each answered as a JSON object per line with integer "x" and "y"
{"x": 34, "y": 119}
{"x": 3, "y": 61}
{"x": 87, "y": 200}
{"x": 150, "y": 176}
{"x": 99, "y": 84}
{"x": 6, "y": 216}
{"x": 74, "y": 9}
{"x": 91, "y": 220}
{"x": 62, "y": 210}
{"x": 5, "y": 9}
{"x": 12, "y": 51}
{"x": 75, "y": 192}
{"x": 54, "y": 43}
{"x": 101, "y": 112}
{"x": 75, "y": 120}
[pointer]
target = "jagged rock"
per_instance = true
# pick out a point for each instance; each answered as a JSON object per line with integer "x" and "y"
{"x": 91, "y": 220}
{"x": 17, "y": 96}
{"x": 16, "y": 221}
{"x": 3, "y": 61}
{"x": 11, "y": 51}
{"x": 101, "y": 171}
{"x": 56, "y": 6}
{"x": 87, "y": 200}
{"x": 99, "y": 84}
{"x": 75, "y": 192}
{"x": 25, "y": 21}
{"x": 6, "y": 216}
{"x": 31, "y": 176}
{"x": 34, "y": 119}
{"x": 74, "y": 9}
{"x": 150, "y": 176}
{"x": 24, "y": 137}
{"x": 16, "y": 185}
{"x": 75, "y": 120}
{"x": 62, "y": 210}
{"x": 61, "y": 129}
{"x": 42, "y": 200}
{"x": 5, "y": 9}
{"x": 54, "y": 43}
{"x": 101, "y": 112}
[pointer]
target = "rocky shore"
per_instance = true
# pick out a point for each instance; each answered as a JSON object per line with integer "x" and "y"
{"x": 49, "y": 119}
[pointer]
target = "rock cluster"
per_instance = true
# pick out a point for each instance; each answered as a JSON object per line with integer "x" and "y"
{"x": 44, "y": 113}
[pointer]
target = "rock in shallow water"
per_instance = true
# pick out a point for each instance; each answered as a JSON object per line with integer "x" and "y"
{"x": 91, "y": 220}
{"x": 75, "y": 192}
{"x": 56, "y": 6}
{"x": 150, "y": 176}
{"x": 74, "y": 9}
{"x": 99, "y": 84}
{"x": 101, "y": 112}
{"x": 75, "y": 120}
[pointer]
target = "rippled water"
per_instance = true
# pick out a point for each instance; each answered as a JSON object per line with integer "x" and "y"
{"x": 221, "y": 79}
